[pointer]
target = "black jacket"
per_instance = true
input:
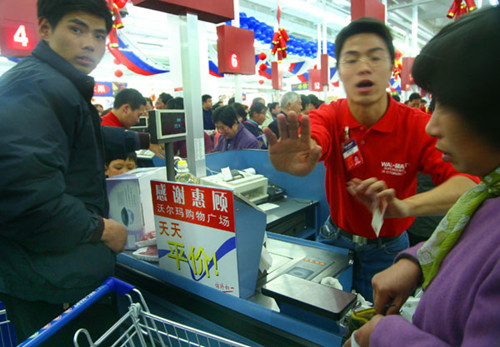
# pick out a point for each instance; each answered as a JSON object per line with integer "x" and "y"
{"x": 52, "y": 183}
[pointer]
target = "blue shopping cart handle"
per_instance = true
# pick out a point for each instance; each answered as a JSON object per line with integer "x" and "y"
{"x": 110, "y": 285}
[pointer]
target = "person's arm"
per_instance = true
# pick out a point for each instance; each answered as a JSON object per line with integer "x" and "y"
{"x": 393, "y": 286}
{"x": 480, "y": 329}
{"x": 294, "y": 153}
{"x": 36, "y": 210}
{"x": 118, "y": 141}
{"x": 436, "y": 201}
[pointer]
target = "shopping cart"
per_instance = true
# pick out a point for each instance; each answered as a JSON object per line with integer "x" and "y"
{"x": 137, "y": 327}
{"x": 7, "y": 335}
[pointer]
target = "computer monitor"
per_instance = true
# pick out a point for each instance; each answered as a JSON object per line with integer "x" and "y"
{"x": 167, "y": 125}
{"x": 143, "y": 124}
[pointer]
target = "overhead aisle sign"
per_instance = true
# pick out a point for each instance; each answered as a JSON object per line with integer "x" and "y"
{"x": 18, "y": 27}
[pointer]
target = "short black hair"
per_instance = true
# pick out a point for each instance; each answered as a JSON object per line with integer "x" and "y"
{"x": 365, "y": 25}
{"x": 240, "y": 110}
{"x": 165, "y": 97}
{"x": 459, "y": 67}
{"x": 129, "y": 96}
{"x": 257, "y": 100}
{"x": 315, "y": 100}
{"x": 205, "y": 97}
{"x": 414, "y": 96}
{"x": 230, "y": 100}
{"x": 226, "y": 115}
{"x": 257, "y": 107}
{"x": 54, "y": 10}
{"x": 304, "y": 99}
{"x": 175, "y": 104}
{"x": 130, "y": 155}
{"x": 272, "y": 105}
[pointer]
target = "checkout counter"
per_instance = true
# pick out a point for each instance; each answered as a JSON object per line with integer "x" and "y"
{"x": 273, "y": 314}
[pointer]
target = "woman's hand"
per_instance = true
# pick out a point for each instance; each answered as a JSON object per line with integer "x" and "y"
{"x": 394, "y": 285}
{"x": 362, "y": 335}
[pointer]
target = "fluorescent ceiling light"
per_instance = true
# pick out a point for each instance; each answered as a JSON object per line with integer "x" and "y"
{"x": 315, "y": 11}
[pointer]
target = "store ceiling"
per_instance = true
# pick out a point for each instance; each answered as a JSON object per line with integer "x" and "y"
{"x": 149, "y": 31}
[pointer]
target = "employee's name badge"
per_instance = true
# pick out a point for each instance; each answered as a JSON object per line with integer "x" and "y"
{"x": 352, "y": 155}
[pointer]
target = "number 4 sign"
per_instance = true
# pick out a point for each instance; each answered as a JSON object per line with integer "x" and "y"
{"x": 20, "y": 36}
{"x": 17, "y": 38}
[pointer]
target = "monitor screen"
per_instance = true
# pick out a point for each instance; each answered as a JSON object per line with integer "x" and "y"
{"x": 142, "y": 124}
{"x": 167, "y": 125}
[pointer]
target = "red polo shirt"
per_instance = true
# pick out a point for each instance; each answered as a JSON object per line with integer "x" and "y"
{"x": 110, "y": 120}
{"x": 395, "y": 149}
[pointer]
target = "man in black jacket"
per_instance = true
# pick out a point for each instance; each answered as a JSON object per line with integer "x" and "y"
{"x": 57, "y": 245}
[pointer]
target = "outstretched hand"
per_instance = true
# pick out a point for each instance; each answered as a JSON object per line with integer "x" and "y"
{"x": 294, "y": 153}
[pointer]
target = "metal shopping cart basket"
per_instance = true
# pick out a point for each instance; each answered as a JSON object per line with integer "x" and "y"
{"x": 7, "y": 335}
{"x": 137, "y": 327}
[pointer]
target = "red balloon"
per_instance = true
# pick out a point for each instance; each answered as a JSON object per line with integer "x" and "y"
{"x": 120, "y": 3}
{"x": 261, "y": 81}
{"x": 262, "y": 56}
{"x": 118, "y": 73}
{"x": 262, "y": 67}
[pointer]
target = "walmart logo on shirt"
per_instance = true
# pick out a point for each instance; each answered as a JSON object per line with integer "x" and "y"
{"x": 396, "y": 169}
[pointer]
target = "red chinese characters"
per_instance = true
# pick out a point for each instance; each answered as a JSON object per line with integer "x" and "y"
{"x": 194, "y": 204}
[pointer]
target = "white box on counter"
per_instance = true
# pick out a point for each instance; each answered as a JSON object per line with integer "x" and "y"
{"x": 130, "y": 201}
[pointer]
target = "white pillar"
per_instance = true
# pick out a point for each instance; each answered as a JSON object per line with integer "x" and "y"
{"x": 175, "y": 74}
{"x": 191, "y": 82}
{"x": 414, "y": 31}
{"x": 238, "y": 94}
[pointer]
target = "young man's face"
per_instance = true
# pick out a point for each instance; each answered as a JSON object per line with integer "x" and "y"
{"x": 119, "y": 166}
{"x": 160, "y": 105}
{"x": 79, "y": 37}
{"x": 207, "y": 105}
{"x": 414, "y": 103}
{"x": 365, "y": 68}
{"x": 129, "y": 117}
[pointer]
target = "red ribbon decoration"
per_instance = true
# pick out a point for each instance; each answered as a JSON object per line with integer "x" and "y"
{"x": 458, "y": 8}
{"x": 279, "y": 39}
{"x": 114, "y": 7}
{"x": 398, "y": 66}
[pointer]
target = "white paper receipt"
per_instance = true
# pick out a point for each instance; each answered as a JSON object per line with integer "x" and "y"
{"x": 378, "y": 213}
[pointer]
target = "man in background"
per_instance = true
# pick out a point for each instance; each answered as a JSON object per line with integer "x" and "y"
{"x": 290, "y": 102}
{"x": 414, "y": 100}
{"x": 208, "y": 124}
{"x": 161, "y": 102}
{"x": 128, "y": 106}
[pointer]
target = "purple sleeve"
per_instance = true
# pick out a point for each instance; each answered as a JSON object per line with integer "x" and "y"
{"x": 409, "y": 253}
{"x": 396, "y": 331}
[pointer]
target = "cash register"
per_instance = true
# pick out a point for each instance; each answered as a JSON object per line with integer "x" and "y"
{"x": 251, "y": 186}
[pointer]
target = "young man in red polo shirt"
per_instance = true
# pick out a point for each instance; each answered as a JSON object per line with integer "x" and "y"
{"x": 128, "y": 106}
{"x": 367, "y": 142}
